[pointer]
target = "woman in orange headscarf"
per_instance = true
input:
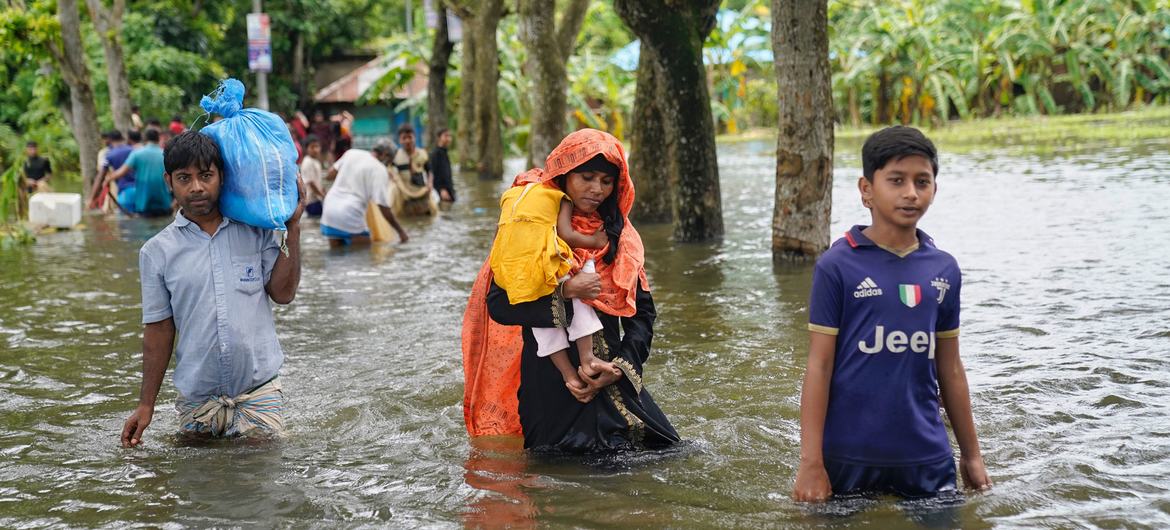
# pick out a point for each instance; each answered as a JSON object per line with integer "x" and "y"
{"x": 509, "y": 390}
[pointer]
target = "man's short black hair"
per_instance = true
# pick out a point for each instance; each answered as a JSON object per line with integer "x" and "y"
{"x": 441, "y": 130}
{"x": 893, "y": 144}
{"x": 192, "y": 148}
{"x": 30, "y": 143}
{"x": 134, "y": 136}
{"x": 152, "y": 135}
{"x": 405, "y": 128}
{"x": 114, "y": 136}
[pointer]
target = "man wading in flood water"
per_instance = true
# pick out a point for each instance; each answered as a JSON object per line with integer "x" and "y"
{"x": 208, "y": 279}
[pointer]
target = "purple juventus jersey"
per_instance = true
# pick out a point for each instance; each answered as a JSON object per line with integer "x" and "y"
{"x": 887, "y": 311}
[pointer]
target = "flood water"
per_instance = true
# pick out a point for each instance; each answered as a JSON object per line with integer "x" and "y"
{"x": 1065, "y": 338}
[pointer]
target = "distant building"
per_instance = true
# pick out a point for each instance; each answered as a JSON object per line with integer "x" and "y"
{"x": 379, "y": 121}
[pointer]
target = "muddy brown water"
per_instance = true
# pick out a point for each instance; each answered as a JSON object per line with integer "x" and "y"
{"x": 1065, "y": 337}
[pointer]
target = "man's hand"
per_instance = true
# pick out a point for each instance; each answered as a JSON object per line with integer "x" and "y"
{"x": 812, "y": 483}
{"x": 301, "y": 203}
{"x": 583, "y": 286}
{"x": 135, "y": 425}
{"x": 974, "y": 473}
{"x": 445, "y": 195}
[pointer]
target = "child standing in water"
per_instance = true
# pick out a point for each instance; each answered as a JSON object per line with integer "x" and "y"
{"x": 533, "y": 253}
{"x": 884, "y": 344}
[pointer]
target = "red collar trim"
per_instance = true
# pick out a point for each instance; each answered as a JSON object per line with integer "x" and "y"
{"x": 849, "y": 238}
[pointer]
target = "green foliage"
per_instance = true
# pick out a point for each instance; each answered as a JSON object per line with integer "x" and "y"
{"x": 957, "y": 58}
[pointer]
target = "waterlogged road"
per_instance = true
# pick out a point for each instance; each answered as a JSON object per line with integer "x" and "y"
{"x": 1065, "y": 338}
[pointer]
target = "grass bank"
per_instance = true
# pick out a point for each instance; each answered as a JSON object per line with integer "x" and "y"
{"x": 1027, "y": 135}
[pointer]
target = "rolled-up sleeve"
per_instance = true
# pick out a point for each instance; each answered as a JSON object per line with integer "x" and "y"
{"x": 269, "y": 251}
{"x": 156, "y": 298}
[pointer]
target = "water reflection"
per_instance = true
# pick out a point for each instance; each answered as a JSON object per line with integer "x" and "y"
{"x": 497, "y": 467}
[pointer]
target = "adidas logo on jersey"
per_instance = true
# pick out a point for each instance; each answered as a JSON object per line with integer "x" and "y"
{"x": 867, "y": 288}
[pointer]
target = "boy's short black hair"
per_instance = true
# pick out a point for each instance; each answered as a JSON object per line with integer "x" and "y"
{"x": 152, "y": 135}
{"x": 310, "y": 139}
{"x": 30, "y": 143}
{"x": 893, "y": 144}
{"x": 192, "y": 148}
{"x": 405, "y": 128}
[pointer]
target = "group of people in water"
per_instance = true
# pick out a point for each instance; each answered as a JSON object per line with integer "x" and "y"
{"x": 560, "y": 319}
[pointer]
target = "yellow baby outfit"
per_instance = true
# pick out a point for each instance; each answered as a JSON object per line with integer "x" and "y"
{"x": 528, "y": 258}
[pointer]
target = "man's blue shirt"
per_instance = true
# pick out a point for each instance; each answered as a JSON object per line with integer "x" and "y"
{"x": 150, "y": 188}
{"x": 887, "y": 312}
{"x": 114, "y": 160}
{"x": 214, "y": 287}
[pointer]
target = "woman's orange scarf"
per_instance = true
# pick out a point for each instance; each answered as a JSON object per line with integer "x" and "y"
{"x": 491, "y": 352}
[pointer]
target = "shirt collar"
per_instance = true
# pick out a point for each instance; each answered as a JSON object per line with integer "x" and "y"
{"x": 856, "y": 238}
{"x": 182, "y": 220}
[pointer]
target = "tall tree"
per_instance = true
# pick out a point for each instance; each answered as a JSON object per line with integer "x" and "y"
{"x": 549, "y": 46}
{"x": 651, "y": 161}
{"x": 675, "y": 31}
{"x": 437, "y": 78}
{"x": 465, "y": 134}
{"x": 70, "y": 56}
{"x": 108, "y": 22}
{"x": 804, "y": 147}
{"x": 487, "y": 147}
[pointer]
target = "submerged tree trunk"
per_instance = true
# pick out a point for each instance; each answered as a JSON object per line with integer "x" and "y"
{"x": 465, "y": 134}
{"x": 437, "y": 78}
{"x": 488, "y": 145}
{"x": 108, "y": 23}
{"x": 804, "y": 146}
{"x": 71, "y": 59}
{"x": 675, "y": 30}
{"x": 549, "y": 46}
{"x": 651, "y": 160}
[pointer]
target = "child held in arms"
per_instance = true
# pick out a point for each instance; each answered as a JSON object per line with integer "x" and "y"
{"x": 884, "y": 345}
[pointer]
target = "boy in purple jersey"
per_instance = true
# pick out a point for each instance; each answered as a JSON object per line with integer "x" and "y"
{"x": 884, "y": 347}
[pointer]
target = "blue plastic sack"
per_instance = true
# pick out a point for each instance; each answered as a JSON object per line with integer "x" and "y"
{"x": 259, "y": 157}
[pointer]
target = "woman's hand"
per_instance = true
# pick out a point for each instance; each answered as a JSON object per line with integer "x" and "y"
{"x": 593, "y": 385}
{"x": 583, "y": 286}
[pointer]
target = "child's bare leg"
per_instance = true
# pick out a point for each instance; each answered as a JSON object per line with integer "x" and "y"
{"x": 590, "y": 364}
{"x": 568, "y": 373}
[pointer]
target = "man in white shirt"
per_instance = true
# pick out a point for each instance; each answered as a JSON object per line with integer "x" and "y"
{"x": 361, "y": 178}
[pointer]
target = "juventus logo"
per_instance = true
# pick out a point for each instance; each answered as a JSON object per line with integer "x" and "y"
{"x": 942, "y": 285}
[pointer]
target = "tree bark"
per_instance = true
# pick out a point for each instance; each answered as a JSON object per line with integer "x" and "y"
{"x": 437, "y": 78}
{"x": 651, "y": 157}
{"x": 71, "y": 58}
{"x": 108, "y": 23}
{"x": 804, "y": 147}
{"x": 465, "y": 133}
{"x": 675, "y": 30}
{"x": 549, "y": 46}
{"x": 487, "y": 138}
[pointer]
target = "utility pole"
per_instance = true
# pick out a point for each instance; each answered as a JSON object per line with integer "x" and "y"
{"x": 261, "y": 75}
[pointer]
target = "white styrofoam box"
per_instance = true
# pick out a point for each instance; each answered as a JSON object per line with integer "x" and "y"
{"x": 62, "y": 210}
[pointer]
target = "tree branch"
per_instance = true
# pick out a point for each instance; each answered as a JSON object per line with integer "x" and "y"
{"x": 570, "y": 25}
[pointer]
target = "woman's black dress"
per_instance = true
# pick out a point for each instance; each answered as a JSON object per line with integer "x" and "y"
{"x": 621, "y": 416}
